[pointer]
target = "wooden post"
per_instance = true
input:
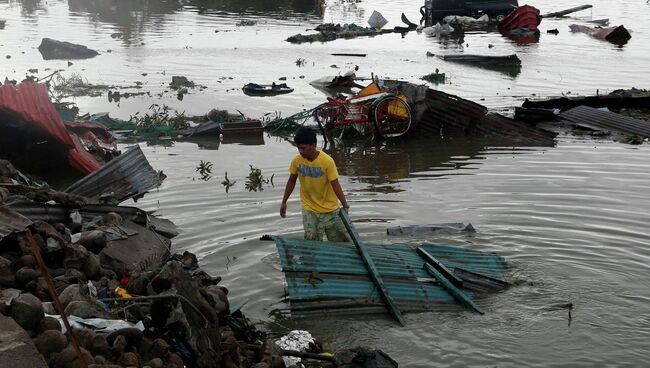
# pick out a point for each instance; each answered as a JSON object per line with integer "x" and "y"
{"x": 372, "y": 269}
{"x": 55, "y": 297}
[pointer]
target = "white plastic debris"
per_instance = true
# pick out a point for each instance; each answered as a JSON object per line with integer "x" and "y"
{"x": 97, "y": 324}
{"x": 377, "y": 20}
{"x": 298, "y": 340}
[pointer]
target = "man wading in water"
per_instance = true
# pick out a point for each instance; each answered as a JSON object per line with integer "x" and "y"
{"x": 320, "y": 191}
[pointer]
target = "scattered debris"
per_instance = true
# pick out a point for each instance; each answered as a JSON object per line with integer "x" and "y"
{"x": 510, "y": 64}
{"x": 179, "y": 81}
{"x": 616, "y": 35}
{"x": 246, "y": 23}
{"x": 331, "y": 31}
{"x": 254, "y": 89}
{"x": 416, "y": 230}
{"x": 433, "y": 11}
{"x": 376, "y": 20}
{"x": 348, "y": 54}
{"x": 635, "y": 98}
{"x": 53, "y": 49}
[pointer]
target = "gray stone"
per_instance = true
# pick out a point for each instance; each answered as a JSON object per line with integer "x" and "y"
{"x": 27, "y": 310}
{"x": 100, "y": 345}
{"x": 94, "y": 240}
{"x": 7, "y": 277}
{"x": 25, "y": 275}
{"x": 68, "y": 358}
{"x": 69, "y": 294}
{"x": 129, "y": 359}
{"x": 6, "y": 297}
{"x": 78, "y": 257}
{"x": 50, "y": 341}
{"x": 53, "y": 49}
{"x": 16, "y": 348}
{"x": 142, "y": 251}
{"x": 85, "y": 309}
{"x": 155, "y": 363}
{"x": 159, "y": 349}
{"x": 133, "y": 336}
{"x": 49, "y": 323}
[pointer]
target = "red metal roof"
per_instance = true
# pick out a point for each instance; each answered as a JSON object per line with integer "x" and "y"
{"x": 31, "y": 102}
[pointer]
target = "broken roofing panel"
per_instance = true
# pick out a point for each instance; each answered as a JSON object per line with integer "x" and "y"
{"x": 27, "y": 106}
{"x": 591, "y": 118}
{"x": 126, "y": 176}
{"x": 332, "y": 276}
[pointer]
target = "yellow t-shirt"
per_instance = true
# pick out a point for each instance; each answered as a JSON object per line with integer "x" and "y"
{"x": 316, "y": 193}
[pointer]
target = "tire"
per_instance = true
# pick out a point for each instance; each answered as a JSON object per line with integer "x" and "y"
{"x": 391, "y": 116}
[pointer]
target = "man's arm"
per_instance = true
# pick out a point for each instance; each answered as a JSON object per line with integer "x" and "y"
{"x": 291, "y": 183}
{"x": 339, "y": 193}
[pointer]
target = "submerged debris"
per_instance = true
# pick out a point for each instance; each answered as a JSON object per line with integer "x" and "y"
{"x": 53, "y": 49}
{"x": 331, "y": 31}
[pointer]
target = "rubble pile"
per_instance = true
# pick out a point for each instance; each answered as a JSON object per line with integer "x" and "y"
{"x": 128, "y": 299}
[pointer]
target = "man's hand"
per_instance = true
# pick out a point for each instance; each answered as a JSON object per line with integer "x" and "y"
{"x": 283, "y": 209}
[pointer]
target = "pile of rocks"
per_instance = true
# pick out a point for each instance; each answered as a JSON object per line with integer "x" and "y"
{"x": 109, "y": 266}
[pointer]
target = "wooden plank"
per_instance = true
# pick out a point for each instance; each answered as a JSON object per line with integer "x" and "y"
{"x": 567, "y": 11}
{"x": 372, "y": 269}
{"x": 428, "y": 258}
{"x": 454, "y": 291}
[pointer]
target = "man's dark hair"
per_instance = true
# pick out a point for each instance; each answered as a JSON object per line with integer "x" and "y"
{"x": 305, "y": 135}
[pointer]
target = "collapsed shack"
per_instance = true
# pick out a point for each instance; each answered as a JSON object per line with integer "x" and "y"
{"x": 623, "y": 112}
{"x": 33, "y": 135}
{"x": 440, "y": 113}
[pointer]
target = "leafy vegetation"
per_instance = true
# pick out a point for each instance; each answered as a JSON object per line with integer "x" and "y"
{"x": 205, "y": 170}
{"x": 160, "y": 117}
{"x": 227, "y": 182}
{"x": 255, "y": 180}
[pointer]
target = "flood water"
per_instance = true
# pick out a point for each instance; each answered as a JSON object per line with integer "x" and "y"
{"x": 570, "y": 219}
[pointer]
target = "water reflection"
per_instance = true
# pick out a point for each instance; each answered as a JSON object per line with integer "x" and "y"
{"x": 389, "y": 162}
{"x": 135, "y": 18}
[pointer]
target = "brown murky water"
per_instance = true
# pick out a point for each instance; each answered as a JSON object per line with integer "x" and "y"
{"x": 571, "y": 219}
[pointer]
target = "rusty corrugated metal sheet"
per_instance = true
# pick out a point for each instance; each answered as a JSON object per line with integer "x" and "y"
{"x": 126, "y": 176}
{"x": 589, "y": 117}
{"x": 37, "y": 211}
{"x": 11, "y": 221}
{"x": 449, "y": 112}
{"x": 30, "y": 103}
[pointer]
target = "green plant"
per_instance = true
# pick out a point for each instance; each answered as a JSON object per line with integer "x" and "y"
{"x": 160, "y": 116}
{"x": 227, "y": 182}
{"x": 255, "y": 180}
{"x": 205, "y": 170}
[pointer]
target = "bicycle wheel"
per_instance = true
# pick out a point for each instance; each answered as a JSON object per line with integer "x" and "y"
{"x": 322, "y": 114}
{"x": 391, "y": 116}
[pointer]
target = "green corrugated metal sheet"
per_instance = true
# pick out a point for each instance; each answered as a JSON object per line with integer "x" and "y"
{"x": 322, "y": 275}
